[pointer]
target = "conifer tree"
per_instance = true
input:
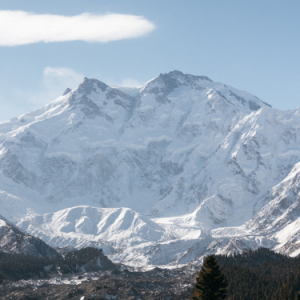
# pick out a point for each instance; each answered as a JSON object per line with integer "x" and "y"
{"x": 285, "y": 292}
{"x": 210, "y": 282}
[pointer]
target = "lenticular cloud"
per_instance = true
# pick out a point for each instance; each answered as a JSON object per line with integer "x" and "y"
{"x": 21, "y": 28}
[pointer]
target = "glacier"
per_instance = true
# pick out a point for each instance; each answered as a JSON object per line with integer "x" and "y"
{"x": 160, "y": 175}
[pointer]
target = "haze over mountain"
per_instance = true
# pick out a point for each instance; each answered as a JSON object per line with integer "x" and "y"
{"x": 182, "y": 167}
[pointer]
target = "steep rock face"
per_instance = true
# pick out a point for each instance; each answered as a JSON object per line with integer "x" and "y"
{"x": 216, "y": 168}
{"x": 15, "y": 241}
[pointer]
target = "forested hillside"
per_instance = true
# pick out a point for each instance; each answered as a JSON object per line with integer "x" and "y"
{"x": 254, "y": 275}
{"x": 19, "y": 266}
{"x": 261, "y": 274}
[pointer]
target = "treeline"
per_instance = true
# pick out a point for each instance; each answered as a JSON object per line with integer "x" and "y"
{"x": 253, "y": 275}
{"x": 19, "y": 266}
{"x": 261, "y": 274}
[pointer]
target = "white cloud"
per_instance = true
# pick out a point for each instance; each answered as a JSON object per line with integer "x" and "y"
{"x": 21, "y": 28}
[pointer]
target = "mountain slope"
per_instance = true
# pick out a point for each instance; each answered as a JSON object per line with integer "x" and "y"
{"x": 89, "y": 142}
{"x": 215, "y": 168}
{"x": 15, "y": 241}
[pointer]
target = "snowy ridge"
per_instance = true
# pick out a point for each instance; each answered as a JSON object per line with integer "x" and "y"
{"x": 88, "y": 225}
{"x": 201, "y": 167}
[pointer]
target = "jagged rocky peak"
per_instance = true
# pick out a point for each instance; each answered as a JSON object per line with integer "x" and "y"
{"x": 164, "y": 86}
{"x": 96, "y": 99}
{"x": 185, "y": 79}
{"x": 67, "y": 91}
{"x": 89, "y": 85}
{"x": 176, "y": 79}
{"x": 166, "y": 83}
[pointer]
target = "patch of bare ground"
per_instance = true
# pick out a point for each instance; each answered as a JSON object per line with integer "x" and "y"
{"x": 114, "y": 284}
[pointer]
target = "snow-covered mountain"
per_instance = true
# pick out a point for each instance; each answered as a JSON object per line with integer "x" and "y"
{"x": 92, "y": 226}
{"x": 201, "y": 167}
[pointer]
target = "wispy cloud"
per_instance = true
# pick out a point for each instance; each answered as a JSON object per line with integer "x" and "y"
{"x": 21, "y": 28}
{"x": 56, "y": 80}
{"x": 53, "y": 83}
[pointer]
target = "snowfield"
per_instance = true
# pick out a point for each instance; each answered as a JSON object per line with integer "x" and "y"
{"x": 172, "y": 171}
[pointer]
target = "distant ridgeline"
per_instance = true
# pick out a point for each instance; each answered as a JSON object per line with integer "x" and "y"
{"x": 19, "y": 266}
{"x": 261, "y": 274}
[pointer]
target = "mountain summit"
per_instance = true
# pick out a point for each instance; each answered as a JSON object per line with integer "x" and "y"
{"x": 214, "y": 167}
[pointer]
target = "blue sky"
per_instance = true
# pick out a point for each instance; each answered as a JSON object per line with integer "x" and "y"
{"x": 250, "y": 45}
